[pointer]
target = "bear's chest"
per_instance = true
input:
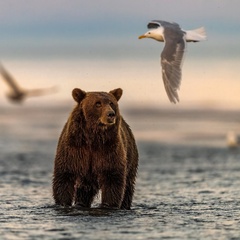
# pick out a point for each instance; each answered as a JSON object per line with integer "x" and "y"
{"x": 98, "y": 157}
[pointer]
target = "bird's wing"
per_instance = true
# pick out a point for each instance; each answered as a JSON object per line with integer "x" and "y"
{"x": 171, "y": 60}
{"x": 40, "y": 91}
{"x": 153, "y": 24}
{"x": 10, "y": 80}
{"x": 158, "y": 23}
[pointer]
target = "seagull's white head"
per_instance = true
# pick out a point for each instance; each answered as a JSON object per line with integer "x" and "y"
{"x": 156, "y": 33}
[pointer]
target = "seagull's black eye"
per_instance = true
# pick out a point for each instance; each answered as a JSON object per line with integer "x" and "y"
{"x": 149, "y": 33}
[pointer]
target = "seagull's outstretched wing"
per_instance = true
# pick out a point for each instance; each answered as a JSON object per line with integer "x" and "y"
{"x": 171, "y": 60}
{"x": 158, "y": 23}
{"x": 153, "y": 24}
{"x": 10, "y": 80}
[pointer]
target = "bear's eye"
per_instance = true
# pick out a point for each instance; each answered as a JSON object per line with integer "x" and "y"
{"x": 111, "y": 104}
{"x": 98, "y": 104}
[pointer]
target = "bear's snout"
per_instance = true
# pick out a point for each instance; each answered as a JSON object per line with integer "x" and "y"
{"x": 111, "y": 116}
{"x": 108, "y": 116}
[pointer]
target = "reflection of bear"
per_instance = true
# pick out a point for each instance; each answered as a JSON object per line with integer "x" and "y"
{"x": 96, "y": 150}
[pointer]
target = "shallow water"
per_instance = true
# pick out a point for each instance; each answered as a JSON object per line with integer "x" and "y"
{"x": 183, "y": 191}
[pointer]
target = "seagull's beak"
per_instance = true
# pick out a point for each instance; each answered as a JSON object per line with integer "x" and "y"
{"x": 142, "y": 36}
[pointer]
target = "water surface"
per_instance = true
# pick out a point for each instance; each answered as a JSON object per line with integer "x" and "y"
{"x": 187, "y": 186}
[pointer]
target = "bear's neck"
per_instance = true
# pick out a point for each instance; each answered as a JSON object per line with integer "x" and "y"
{"x": 96, "y": 136}
{"x": 101, "y": 135}
{"x": 81, "y": 133}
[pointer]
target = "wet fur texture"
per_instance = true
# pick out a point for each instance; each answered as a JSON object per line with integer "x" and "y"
{"x": 96, "y": 151}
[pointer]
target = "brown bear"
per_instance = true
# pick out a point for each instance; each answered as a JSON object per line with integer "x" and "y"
{"x": 96, "y": 151}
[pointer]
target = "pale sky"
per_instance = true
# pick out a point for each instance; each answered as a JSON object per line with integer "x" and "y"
{"x": 94, "y": 45}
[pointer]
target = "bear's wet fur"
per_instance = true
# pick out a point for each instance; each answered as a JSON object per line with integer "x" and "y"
{"x": 96, "y": 151}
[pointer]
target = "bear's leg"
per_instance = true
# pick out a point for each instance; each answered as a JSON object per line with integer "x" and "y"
{"x": 113, "y": 184}
{"x": 86, "y": 191}
{"x": 128, "y": 195}
{"x": 63, "y": 188}
{"x": 85, "y": 196}
{"x": 129, "y": 189}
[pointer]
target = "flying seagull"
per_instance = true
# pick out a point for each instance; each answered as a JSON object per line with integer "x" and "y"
{"x": 172, "y": 55}
{"x": 18, "y": 94}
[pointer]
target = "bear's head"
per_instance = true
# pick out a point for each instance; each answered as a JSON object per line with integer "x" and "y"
{"x": 98, "y": 108}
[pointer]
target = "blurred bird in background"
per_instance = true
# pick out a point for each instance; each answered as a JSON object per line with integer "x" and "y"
{"x": 18, "y": 94}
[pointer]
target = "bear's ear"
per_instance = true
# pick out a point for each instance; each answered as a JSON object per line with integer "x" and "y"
{"x": 117, "y": 93}
{"x": 78, "y": 94}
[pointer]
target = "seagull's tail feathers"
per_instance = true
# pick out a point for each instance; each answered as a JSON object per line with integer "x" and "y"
{"x": 196, "y": 35}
